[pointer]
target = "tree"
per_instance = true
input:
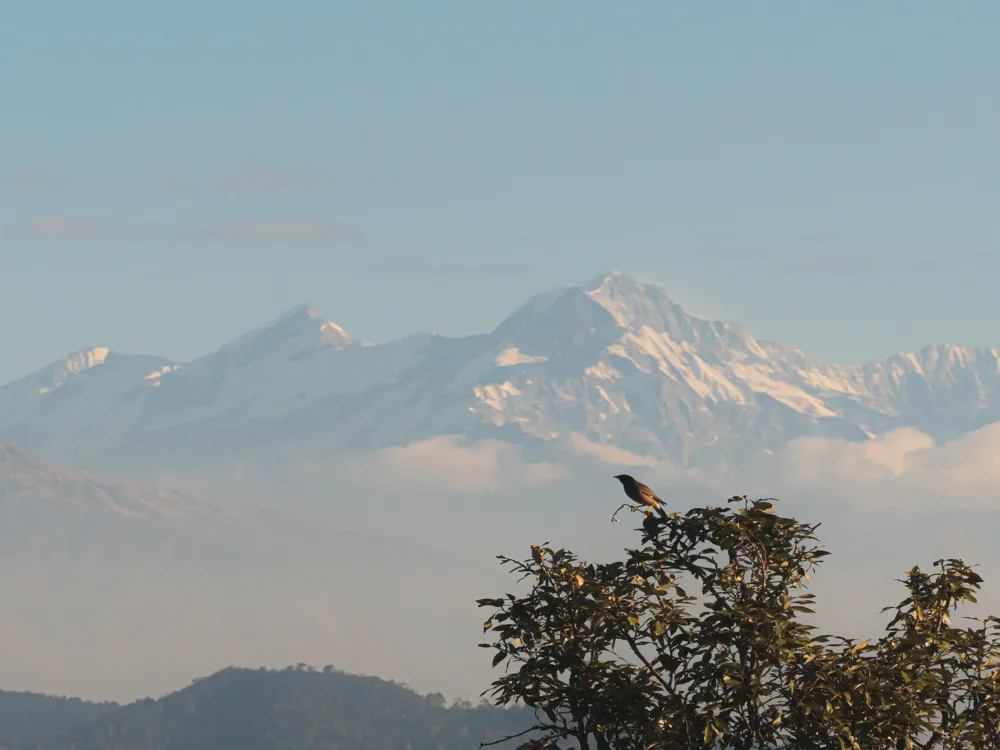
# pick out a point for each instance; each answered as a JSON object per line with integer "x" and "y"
{"x": 621, "y": 655}
{"x": 436, "y": 699}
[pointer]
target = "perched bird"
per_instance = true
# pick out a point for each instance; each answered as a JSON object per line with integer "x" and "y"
{"x": 638, "y": 492}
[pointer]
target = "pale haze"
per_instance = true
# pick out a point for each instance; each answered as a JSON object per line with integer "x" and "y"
{"x": 313, "y": 309}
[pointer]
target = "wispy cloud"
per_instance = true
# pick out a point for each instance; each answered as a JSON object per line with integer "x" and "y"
{"x": 272, "y": 231}
{"x": 252, "y": 179}
{"x": 26, "y": 180}
{"x": 262, "y": 179}
{"x": 751, "y": 247}
{"x": 927, "y": 265}
{"x": 72, "y": 228}
{"x": 947, "y": 264}
{"x": 850, "y": 261}
{"x": 63, "y": 228}
{"x": 420, "y": 266}
{"x": 184, "y": 188}
{"x": 831, "y": 262}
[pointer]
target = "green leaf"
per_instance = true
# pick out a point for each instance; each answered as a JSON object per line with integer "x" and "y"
{"x": 639, "y": 663}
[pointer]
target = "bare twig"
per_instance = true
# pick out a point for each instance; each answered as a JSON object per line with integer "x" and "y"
{"x": 536, "y": 728}
{"x": 614, "y": 518}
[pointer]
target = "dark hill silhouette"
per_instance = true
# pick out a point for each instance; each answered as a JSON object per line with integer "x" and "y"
{"x": 27, "y": 718}
{"x": 291, "y": 709}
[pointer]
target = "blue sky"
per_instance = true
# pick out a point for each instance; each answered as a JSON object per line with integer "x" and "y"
{"x": 172, "y": 174}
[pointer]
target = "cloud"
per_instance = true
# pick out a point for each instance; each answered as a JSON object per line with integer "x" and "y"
{"x": 272, "y": 231}
{"x": 263, "y": 179}
{"x": 448, "y": 465}
{"x": 251, "y": 179}
{"x": 927, "y": 265}
{"x": 418, "y": 266}
{"x": 832, "y": 262}
{"x": 902, "y": 470}
{"x": 609, "y": 454}
{"x": 736, "y": 246}
{"x": 852, "y": 261}
{"x": 184, "y": 188}
{"x": 26, "y": 180}
{"x": 70, "y": 228}
{"x": 64, "y": 228}
{"x": 946, "y": 264}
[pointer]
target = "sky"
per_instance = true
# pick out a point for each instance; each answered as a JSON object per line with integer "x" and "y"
{"x": 173, "y": 174}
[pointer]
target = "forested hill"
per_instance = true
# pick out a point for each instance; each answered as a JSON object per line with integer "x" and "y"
{"x": 27, "y": 718}
{"x": 291, "y": 709}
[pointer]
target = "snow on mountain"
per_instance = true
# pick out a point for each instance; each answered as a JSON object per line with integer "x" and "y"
{"x": 58, "y": 373}
{"x": 84, "y": 398}
{"x": 669, "y": 385}
{"x": 614, "y": 361}
{"x": 297, "y": 333}
{"x": 261, "y": 374}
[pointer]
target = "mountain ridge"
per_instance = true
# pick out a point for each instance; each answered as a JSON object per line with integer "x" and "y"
{"x": 614, "y": 360}
{"x": 27, "y": 481}
{"x": 253, "y": 709}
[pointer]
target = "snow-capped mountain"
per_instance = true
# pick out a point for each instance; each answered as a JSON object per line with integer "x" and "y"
{"x": 614, "y": 361}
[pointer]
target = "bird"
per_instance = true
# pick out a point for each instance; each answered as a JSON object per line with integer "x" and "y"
{"x": 639, "y": 492}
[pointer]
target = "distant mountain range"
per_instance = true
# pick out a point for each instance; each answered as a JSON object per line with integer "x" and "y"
{"x": 29, "y": 484}
{"x": 611, "y": 362}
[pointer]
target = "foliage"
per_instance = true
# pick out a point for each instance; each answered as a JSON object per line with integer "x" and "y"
{"x": 297, "y": 708}
{"x": 697, "y": 640}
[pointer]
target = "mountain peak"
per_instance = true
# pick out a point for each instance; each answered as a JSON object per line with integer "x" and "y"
{"x": 296, "y": 334}
{"x": 303, "y": 310}
{"x": 615, "y": 278}
{"x": 307, "y": 322}
{"x": 604, "y": 306}
{"x": 635, "y": 304}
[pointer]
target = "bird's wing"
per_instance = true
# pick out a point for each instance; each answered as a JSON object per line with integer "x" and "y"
{"x": 648, "y": 496}
{"x": 648, "y": 493}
